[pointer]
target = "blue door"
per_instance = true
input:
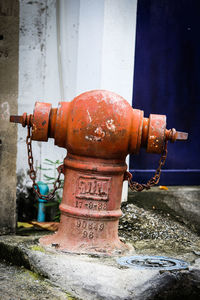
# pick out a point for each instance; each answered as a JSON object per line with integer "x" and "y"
{"x": 167, "y": 81}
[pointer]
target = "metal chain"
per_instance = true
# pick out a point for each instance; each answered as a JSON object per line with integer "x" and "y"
{"x": 32, "y": 172}
{"x": 135, "y": 186}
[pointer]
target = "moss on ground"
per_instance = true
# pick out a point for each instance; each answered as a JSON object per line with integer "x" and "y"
{"x": 37, "y": 248}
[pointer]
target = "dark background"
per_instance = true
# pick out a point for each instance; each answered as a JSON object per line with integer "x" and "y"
{"x": 167, "y": 81}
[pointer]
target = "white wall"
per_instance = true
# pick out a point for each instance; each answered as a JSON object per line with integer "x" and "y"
{"x": 97, "y": 45}
{"x": 68, "y": 47}
{"x": 38, "y": 74}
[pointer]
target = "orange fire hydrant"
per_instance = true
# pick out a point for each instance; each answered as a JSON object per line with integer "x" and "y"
{"x": 98, "y": 129}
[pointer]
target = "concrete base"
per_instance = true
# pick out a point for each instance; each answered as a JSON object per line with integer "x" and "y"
{"x": 106, "y": 247}
{"x": 89, "y": 277}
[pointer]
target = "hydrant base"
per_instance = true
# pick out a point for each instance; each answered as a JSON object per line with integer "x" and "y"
{"x": 106, "y": 248}
{"x": 90, "y": 208}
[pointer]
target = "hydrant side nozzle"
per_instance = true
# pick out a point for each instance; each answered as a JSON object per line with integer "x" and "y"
{"x": 52, "y": 122}
{"x": 16, "y": 119}
{"x": 145, "y": 130}
{"x": 41, "y": 116}
{"x": 172, "y": 135}
{"x": 136, "y": 131}
{"x": 39, "y": 121}
{"x": 24, "y": 119}
{"x": 153, "y": 133}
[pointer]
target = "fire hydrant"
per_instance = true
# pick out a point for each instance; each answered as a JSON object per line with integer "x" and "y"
{"x": 99, "y": 129}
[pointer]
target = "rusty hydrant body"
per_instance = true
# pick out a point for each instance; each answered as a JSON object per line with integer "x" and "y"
{"x": 98, "y": 129}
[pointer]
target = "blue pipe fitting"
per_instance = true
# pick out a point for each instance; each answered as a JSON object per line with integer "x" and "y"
{"x": 44, "y": 190}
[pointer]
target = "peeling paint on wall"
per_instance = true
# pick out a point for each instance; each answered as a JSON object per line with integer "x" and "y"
{"x": 5, "y": 111}
{"x": 9, "y": 38}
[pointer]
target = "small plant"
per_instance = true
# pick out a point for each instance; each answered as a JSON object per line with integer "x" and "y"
{"x": 52, "y": 166}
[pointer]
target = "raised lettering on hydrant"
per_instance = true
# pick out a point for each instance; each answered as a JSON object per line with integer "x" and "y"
{"x": 98, "y": 129}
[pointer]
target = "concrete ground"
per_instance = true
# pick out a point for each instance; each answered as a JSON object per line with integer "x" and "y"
{"x": 153, "y": 230}
{"x": 18, "y": 283}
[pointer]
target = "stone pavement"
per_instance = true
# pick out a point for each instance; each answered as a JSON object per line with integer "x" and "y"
{"x": 156, "y": 222}
{"x": 94, "y": 277}
{"x": 17, "y": 283}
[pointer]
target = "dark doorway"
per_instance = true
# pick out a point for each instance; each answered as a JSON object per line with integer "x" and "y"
{"x": 167, "y": 81}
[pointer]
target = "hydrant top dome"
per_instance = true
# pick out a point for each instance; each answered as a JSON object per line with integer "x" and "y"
{"x": 99, "y": 124}
{"x": 103, "y": 95}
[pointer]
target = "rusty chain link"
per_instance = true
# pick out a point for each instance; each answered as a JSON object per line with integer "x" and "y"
{"x": 32, "y": 172}
{"x": 135, "y": 186}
